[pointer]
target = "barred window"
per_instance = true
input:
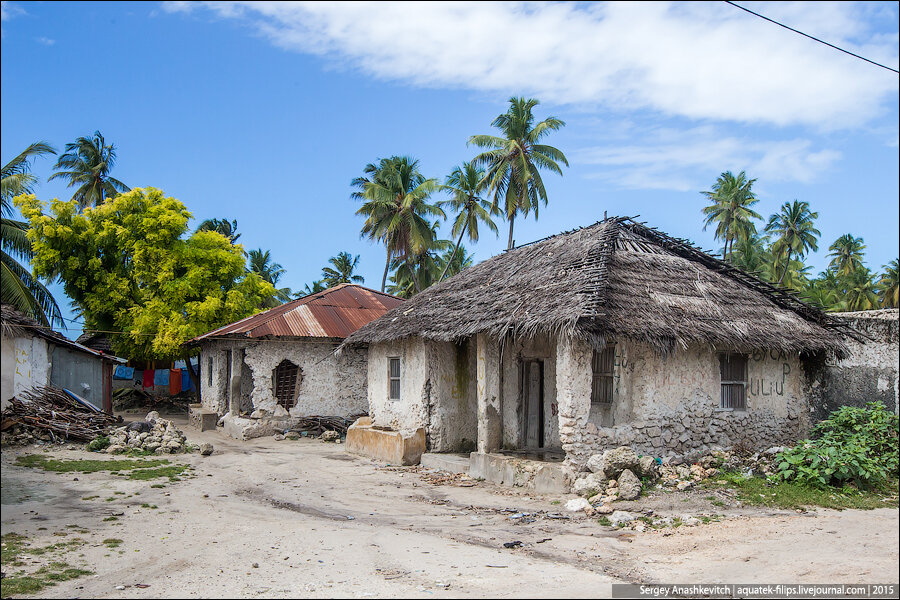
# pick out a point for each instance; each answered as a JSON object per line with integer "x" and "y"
{"x": 285, "y": 375}
{"x": 603, "y": 366}
{"x": 394, "y": 377}
{"x": 733, "y": 372}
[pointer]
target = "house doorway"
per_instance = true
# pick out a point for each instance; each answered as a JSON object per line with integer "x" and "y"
{"x": 533, "y": 400}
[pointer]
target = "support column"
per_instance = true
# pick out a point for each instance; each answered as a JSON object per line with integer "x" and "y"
{"x": 490, "y": 432}
{"x": 234, "y": 386}
{"x": 573, "y": 394}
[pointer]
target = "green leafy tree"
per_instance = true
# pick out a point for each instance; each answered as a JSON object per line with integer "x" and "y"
{"x": 222, "y": 226}
{"x": 86, "y": 164}
{"x": 513, "y": 161}
{"x": 730, "y": 210}
{"x": 395, "y": 205}
{"x": 846, "y": 254}
{"x": 129, "y": 266}
{"x": 465, "y": 184}
{"x": 261, "y": 263}
{"x": 412, "y": 276}
{"x": 18, "y": 286}
{"x": 795, "y": 231}
{"x": 341, "y": 270}
{"x": 889, "y": 286}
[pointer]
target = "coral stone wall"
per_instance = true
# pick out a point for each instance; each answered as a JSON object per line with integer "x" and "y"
{"x": 328, "y": 384}
{"x": 870, "y": 371}
{"x": 666, "y": 405}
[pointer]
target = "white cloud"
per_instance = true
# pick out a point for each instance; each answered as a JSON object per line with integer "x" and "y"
{"x": 696, "y": 60}
{"x": 684, "y": 159}
{"x": 8, "y": 10}
{"x": 45, "y": 41}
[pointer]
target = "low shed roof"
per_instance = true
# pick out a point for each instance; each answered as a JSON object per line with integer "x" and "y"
{"x": 333, "y": 313}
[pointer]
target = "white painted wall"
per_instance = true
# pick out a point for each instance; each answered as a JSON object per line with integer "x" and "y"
{"x": 26, "y": 363}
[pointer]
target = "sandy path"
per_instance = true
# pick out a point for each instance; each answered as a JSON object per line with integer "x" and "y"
{"x": 321, "y": 523}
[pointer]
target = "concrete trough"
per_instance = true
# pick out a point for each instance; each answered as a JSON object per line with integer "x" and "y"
{"x": 536, "y": 476}
{"x": 393, "y": 447}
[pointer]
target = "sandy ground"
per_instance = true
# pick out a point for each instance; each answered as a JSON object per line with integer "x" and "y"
{"x": 303, "y": 518}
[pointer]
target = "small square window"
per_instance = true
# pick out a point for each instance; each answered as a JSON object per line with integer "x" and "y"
{"x": 733, "y": 373}
{"x": 394, "y": 377}
{"x": 603, "y": 367}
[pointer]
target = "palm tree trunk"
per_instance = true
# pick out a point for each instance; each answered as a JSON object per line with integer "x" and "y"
{"x": 415, "y": 276}
{"x": 387, "y": 267}
{"x": 512, "y": 220}
{"x": 452, "y": 254}
{"x": 787, "y": 264}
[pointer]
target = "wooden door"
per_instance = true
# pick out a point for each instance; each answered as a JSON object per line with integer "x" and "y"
{"x": 533, "y": 395}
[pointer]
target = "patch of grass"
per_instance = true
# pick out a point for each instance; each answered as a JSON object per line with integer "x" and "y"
{"x": 677, "y": 522}
{"x": 756, "y": 491}
{"x": 718, "y": 503}
{"x": 119, "y": 493}
{"x": 22, "y": 582}
{"x": 158, "y": 485}
{"x": 35, "y": 461}
{"x": 145, "y": 505}
{"x": 111, "y": 519}
{"x": 604, "y": 520}
{"x": 556, "y": 502}
{"x": 90, "y": 497}
{"x": 707, "y": 519}
{"x": 112, "y": 542}
{"x": 171, "y": 472}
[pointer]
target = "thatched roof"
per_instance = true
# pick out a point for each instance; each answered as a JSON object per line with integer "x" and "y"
{"x": 614, "y": 279}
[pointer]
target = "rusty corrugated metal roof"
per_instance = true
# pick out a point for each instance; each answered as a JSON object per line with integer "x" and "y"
{"x": 333, "y": 313}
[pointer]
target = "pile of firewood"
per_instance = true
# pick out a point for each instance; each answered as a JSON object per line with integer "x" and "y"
{"x": 315, "y": 426}
{"x": 50, "y": 413}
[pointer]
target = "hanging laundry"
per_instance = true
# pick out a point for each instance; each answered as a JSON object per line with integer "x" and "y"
{"x": 161, "y": 377}
{"x": 123, "y": 372}
{"x": 174, "y": 381}
{"x": 186, "y": 384}
{"x": 148, "y": 378}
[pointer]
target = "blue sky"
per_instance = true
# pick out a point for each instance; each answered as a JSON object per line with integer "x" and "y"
{"x": 264, "y": 112}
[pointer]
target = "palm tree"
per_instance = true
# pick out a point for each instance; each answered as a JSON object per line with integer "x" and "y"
{"x": 751, "y": 254}
{"x": 396, "y": 208}
{"x": 465, "y": 183}
{"x": 342, "y": 272}
{"x": 730, "y": 210}
{"x": 889, "y": 286}
{"x": 315, "y": 288}
{"x": 412, "y": 276}
{"x": 514, "y": 161}
{"x": 795, "y": 231}
{"x": 18, "y": 287}
{"x": 846, "y": 254}
{"x": 223, "y": 226}
{"x": 862, "y": 293}
{"x": 86, "y": 163}
{"x": 260, "y": 262}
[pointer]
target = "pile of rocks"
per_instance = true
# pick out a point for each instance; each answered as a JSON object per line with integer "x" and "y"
{"x": 153, "y": 434}
{"x": 614, "y": 475}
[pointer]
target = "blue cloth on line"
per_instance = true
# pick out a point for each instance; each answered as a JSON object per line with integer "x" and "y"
{"x": 123, "y": 372}
{"x": 185, "y": 380}
{"x": 161, "y": 377}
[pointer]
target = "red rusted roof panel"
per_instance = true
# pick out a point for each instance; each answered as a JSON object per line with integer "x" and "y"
{"x": 334, "y": 313}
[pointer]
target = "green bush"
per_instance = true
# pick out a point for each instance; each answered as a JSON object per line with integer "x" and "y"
{"x": 99, "y": 444}
{"x": 854, "y": 445}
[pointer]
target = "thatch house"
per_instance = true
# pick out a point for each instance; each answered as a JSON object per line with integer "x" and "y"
{"x": 281, "y": 362}
{"x": 608, "y": 335}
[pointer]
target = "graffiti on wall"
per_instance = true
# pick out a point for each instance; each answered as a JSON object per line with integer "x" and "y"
{"x": 764, "y": 386}
{"x": 23, "y": 365}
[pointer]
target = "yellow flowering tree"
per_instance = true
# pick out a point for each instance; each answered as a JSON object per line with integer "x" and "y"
{"x": 130, "y": 268}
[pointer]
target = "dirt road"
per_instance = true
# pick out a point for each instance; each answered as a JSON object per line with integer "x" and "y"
{"x": 303, "y": 518}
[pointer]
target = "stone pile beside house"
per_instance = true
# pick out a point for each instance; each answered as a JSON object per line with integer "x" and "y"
{"x": 153, "y": 434}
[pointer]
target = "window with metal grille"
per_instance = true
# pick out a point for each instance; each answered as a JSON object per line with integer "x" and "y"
{"x": 285, "y": 375}
{"x": 733, "y": 371}
{"x": 603, "y": 366}
{"x": 394, "y": 378}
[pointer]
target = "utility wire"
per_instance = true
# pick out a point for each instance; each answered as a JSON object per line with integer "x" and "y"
{"x": 811, "y": 37}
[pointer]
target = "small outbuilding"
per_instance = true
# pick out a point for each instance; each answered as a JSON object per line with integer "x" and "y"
{"x": 280, "y": 363}
{"x": 34, "y": 355}
{"x": 613, "y": 334}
